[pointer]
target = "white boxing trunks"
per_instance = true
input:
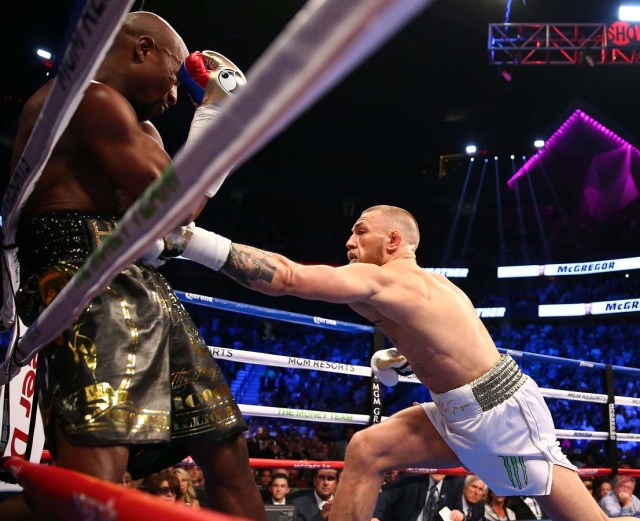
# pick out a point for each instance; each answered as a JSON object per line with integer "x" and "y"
{"x": 501, "y": 429}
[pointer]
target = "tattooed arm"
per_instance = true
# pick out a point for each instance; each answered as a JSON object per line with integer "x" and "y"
{"x": 274, "y": 274}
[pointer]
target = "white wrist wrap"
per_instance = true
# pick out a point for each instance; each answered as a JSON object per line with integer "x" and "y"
{"x": 207, "y": 248}
{"x": 202, "y": 118}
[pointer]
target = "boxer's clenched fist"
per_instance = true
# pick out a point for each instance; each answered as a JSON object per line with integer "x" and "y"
{"x": 210, "y": 78}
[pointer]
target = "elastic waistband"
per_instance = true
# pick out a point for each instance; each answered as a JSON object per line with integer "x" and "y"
{"x": 497, "y": 385}
{"x": 68, "y": 235}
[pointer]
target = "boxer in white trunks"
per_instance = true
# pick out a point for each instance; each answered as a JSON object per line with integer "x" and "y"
{"x": 486, "y": 414}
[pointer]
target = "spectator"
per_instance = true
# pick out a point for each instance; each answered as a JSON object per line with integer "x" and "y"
{"x": 253, "y": 444}
{"x": 197, "y": 479}
{"x": 270, "y": 450}
{"x": 339, "y": 447}
{"x": 162, "y": 484}
{"x": 281, "y": 470}
{"x": 621, "y": 501}
{"x": 604, "y": 489}
{"x": 472, "y": 508}
{"x": 264, "y": 478}
{"x": 496, "y": 509}
{"x": 298, "y": 479}
{"x": 315, "y": 505}
{"x": 389, "y": 477}
{"x": 526, "y": 507}
{"x": 419, "y": 497}
{"x": 588, "y": 483}
{"x": 127, "y": 480}
{"x": 187, "y": 493}
{"x": 278, "y": 489}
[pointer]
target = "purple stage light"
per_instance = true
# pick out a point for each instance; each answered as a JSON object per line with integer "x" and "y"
{"x": 605, "y": 164}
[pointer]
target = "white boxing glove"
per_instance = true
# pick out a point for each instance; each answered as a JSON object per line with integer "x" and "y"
{"x": 388, "y": 365}
{"x": 210, "y": 79}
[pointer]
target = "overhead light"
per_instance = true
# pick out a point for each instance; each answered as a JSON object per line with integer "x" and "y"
{"x": 471, "y": 149}
{"x": 629, "y": 13}
{"x": 43, "y": 54}
{"x": 538, "y": 143}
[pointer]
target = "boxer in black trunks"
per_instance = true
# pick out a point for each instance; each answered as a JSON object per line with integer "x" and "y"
{"x": 131, "y": 385}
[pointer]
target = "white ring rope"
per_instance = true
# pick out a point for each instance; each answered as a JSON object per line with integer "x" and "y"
{"x": 251, "y": 357}
{"x": 305, "y": 414}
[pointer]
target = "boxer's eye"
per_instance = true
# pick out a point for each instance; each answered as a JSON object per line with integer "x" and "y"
{"x": 230, "y": 80}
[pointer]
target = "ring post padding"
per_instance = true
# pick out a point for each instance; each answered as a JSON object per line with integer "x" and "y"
{"x": 612, "y": 443}
{"x": 375, "y": 387}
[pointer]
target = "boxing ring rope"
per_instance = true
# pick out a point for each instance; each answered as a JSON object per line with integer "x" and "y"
{"x": 251, "y": 357}
{"x": 264, "y": 463}
{"x": 72, "y": 496}
{"x": 243, "y": 356}
{"x": 363, "y": 419}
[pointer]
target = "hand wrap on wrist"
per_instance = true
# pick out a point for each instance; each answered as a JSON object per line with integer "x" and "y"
{"x": 203, "y": 116}
{"x": 204, "y": 247}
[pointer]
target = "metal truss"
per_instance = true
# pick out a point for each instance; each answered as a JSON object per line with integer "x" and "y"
{"x": 562, "y": 44}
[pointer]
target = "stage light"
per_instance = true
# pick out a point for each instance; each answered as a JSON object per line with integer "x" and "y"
{"x": 538, "y": 143}
{"x": 43, "y": 54}
{"x": 629, "y": 13}
{"x": 471, "y": 149}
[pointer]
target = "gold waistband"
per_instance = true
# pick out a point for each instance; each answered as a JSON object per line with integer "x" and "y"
{"x": 498, "y": 384}
{"x": 62, "y": 235}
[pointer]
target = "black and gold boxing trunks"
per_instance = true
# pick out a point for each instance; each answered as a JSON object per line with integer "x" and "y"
{"x": 133, "y": 369}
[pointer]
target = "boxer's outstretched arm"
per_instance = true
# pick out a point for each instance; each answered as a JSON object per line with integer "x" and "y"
{"x": 274, "y": 274}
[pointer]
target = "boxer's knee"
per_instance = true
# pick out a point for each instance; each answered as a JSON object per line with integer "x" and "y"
{"x": 362, "y": 449}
